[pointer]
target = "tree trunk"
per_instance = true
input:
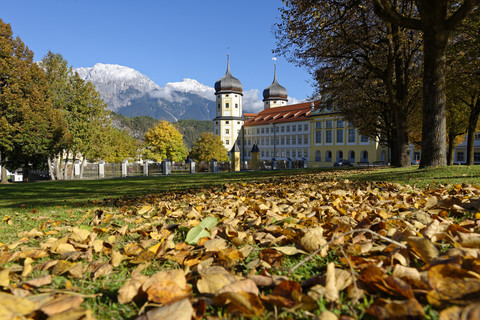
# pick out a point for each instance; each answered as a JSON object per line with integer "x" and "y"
{"x": 451, "y": 146}
{"x": 434, "y": 127}
{"x": 58, "y": 166}
{"x": 26, "y": 173}
{"x": 472, "y": 128}
{"x": 50, "y": 168}
{"x": 72, "y": 173}
{"x": 3, "y": 169}
{"x": 82, "y": 167}
{"x": 403, "y": 148}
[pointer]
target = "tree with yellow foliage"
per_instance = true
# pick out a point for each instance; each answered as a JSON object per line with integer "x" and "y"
{"x": 163, "y": 141}
{"x": 209, "y": 147}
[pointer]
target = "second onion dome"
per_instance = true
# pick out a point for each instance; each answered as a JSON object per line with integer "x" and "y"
{"x": 275, "y": 91}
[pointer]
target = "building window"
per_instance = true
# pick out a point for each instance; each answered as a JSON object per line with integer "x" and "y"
{"x": 318, "y": 124}
{"x": 305, "y": 139}
{"x": 294, "y": 140}
{"x": 216, "y": 132}
{"x": 267, "y": 129}
{"x": 227, "y": 105}
{"x": 363, "y": 138}
{"x": 236, "y": 105}
{"x": 238, "y": 122}
{"x": 329, "y": 124}
{"x": 318, "y": 136}
{"x": 288, "y": 141}
{"x": 216, "y": 122}
{"x": 294, "y": 154}
{"x": 294, "y": 128}
{"x": 218, "y": 106}
{"x": 328, "y": 156}
{"x": 283, "y": 129}
{"x": 227, "y": 131}
{"x": 328, "y": 136}
{"x": 263, "y": 130}
{"x": 339, "y": 123}
{"x": 268, "y": 153}
{"x": 288, "y": 128}
{"x": 258, "y": 130}
{"x": 282, "y": 141}
{"x": 299, "y": 127}
{"x": 306, "y": 127}
{"x": 227, "y": 122}
{"x": 476, "y": 156}
{"x": 351, "y": 156}
{"x": 276, "y": 129}
{"x": 339, "y": 135}
{"x": 318, "y": 156}
{"x": 288, "y": 153}
{"x": 227, "y": 142}
{"x": 351, "y": 135}
{"x": 299, "y": 139}
{"x": 263, "y": 154}
{"x": 364, "y": 156}
{"x": 460, "y": 156}
{"x": 339, "y": 155}
{"x": 305, "y": 154}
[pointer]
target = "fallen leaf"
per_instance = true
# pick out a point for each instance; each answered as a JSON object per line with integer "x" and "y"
{"x": 180, "y": 310}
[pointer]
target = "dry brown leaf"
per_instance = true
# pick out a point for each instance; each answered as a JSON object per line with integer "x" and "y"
{"x": 16, "y": 306}
{"x": 116, "y": 258}
{"x": 73, "y": 314}
{"x": 244, "y": 303}
{"x": 180, "y": 310}
{"x": 424, "y": 248}
{"x": 390, "y": 309}
{"x": 313, "y": 240}
{"x": 331, "y": 292}
{"x": 38, "y": 282}
{"x": 129, "y": 290}
{"x": 213, "y": 279}
{"x": 167, "y": 287}
{"x": 4, "y": 278}
{"x": 470, "y": 312}
{"x": 63, "y": 248}
{"x": 217, "y": 244}
{"x": 61, "y": 303}
{"x": 245, "y": 285}
{"x": 79, "y": 235}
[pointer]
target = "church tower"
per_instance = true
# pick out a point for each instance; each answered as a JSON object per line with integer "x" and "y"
{"x": 274, "y": 95}
{"x": 229, "y": 117}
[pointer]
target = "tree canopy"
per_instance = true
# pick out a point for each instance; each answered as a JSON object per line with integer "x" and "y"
{"x": 163, "y": 141}
{"x": 208, "y": 147}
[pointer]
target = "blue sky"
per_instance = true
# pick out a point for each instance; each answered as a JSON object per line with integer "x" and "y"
{"x": 163, "y": 39}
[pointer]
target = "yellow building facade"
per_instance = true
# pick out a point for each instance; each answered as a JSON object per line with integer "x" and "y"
{"x": 333, "y": 139}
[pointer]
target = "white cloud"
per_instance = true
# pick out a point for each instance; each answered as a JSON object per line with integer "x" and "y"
{"x": 251, "y": 101}
{"x": 167, "y": 93}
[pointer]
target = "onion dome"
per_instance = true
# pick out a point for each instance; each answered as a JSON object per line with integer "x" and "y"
{"x": 228, "y": 84}
{"x": 275, "y": 91}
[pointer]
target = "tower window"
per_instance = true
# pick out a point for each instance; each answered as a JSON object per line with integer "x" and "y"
{"x": 227, "y": 95}
{"x": 219, "y": 106}
{"x": 227, "y": 105}
{"x": 227, "y": 122}
{"x": 236, "y": 105}
{"x": 227, "y": 131}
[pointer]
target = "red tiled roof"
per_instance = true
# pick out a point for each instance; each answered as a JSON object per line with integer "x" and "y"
{"x": 290, "y": 113}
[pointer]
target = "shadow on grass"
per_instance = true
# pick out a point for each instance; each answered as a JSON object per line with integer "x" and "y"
{"x": 73, "y": 193}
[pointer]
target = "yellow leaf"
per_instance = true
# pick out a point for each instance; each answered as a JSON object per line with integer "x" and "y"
{"x": 4, "y": 278}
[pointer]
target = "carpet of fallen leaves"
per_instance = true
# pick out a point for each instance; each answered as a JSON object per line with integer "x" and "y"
{"x": 402, "y": 249}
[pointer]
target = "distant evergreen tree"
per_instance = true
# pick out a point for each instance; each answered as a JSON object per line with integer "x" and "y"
{"x": 192, "y": 130}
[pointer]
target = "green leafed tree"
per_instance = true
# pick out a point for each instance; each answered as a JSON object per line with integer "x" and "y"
{"x": 209, "y": 147}
{"x": 163, "y": 141}
{"x": 28, "y": 123}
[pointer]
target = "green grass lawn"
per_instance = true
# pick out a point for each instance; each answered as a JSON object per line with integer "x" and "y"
{"x": 74, "y": 193}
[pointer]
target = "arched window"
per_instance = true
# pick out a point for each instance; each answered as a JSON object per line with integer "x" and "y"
{"x": 382, "y": 156}
{"x": 351, "y": 156}
{"x": 318, "y": 156}
{"x": 364, "y": 156}
{"x": 339, "y": 155}
{"x": 328, "y": 156}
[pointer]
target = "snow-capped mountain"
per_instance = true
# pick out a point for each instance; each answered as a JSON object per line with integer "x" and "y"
{"x": 128, "y": 92}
